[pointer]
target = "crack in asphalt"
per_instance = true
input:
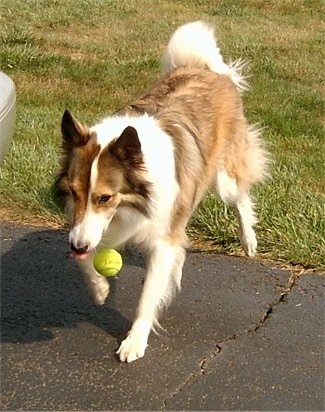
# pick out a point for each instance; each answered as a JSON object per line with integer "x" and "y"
{"x": 193, "y": 376}
{"x": 203, "y": 363}
{"x": 283, "y": 295}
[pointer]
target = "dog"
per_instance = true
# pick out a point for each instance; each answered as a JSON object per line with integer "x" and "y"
{"x": 137, "y": 176}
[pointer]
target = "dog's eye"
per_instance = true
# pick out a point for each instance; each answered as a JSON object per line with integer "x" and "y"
{"x": 73, "y": 193}
{"x": 103, "y": 199}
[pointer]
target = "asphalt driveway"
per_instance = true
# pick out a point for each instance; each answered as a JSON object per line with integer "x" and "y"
{"x": 240, "y": 335}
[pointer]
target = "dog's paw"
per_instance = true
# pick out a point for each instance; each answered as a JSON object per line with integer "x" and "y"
{"x": 132, "y": 348}
{"x": 99, "y": 290}
{"x": 248, "y": 242}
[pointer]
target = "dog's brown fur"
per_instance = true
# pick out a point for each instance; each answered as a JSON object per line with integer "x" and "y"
{"x": 202, "y": 111}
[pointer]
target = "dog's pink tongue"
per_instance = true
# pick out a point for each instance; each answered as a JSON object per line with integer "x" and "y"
{"x": 81, "y": 256}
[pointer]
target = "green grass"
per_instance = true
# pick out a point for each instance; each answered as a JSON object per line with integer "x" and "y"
{"x": 93, "y": 56}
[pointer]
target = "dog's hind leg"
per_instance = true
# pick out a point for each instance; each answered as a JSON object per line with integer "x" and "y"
{"x": 164, "y": 266}
{"x": 230, "y": 192}
{"x": 246, "y": 217}
{"x": 177, "y": 272}
{"x": 97, "y": 285}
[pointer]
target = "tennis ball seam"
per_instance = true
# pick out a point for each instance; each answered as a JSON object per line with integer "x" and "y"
{"x": 107, "y": 262}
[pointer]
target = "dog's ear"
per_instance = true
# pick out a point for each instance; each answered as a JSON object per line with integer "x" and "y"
{"x": 73, "y": 132}
{"x": 127, "y": 147}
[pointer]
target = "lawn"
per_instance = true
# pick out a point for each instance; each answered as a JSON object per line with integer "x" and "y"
{"x": 93, "y": 56}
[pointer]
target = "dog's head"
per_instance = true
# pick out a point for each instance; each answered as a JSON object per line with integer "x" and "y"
{"x": 95, "y": 181}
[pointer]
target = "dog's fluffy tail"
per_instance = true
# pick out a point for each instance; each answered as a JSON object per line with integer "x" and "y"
{"x": 194, "y": 44}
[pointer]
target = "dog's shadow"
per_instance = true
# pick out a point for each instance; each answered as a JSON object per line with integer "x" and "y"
{"x": 42, "y": 289}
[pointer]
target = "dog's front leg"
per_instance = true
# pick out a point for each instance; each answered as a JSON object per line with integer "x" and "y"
{"x": 97, "y": 284}
{"x": 156, "y": 291}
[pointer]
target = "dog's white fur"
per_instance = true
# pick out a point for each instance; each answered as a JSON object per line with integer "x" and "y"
{"x": 159, "y": 160}
{"x": 192, "y": 44}
{"x": 131, "y": 226}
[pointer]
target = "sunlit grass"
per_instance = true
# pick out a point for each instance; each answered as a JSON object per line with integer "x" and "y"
{"x": 93, "y": 56}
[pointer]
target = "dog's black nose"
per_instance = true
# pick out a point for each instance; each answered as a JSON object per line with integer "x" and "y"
{"x": 79, "y": 249}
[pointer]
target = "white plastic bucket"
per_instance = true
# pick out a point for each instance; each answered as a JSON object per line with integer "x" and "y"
{"x": 7, "y": 113}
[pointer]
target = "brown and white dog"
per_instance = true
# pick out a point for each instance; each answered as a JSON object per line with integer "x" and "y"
{"x": 137, "y": 177}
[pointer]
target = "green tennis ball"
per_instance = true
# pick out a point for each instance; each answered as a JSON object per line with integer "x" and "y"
{"x": 107, "y": 262}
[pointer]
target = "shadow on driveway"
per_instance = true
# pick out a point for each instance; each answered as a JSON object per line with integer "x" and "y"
{"x": 41, "y": 288}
